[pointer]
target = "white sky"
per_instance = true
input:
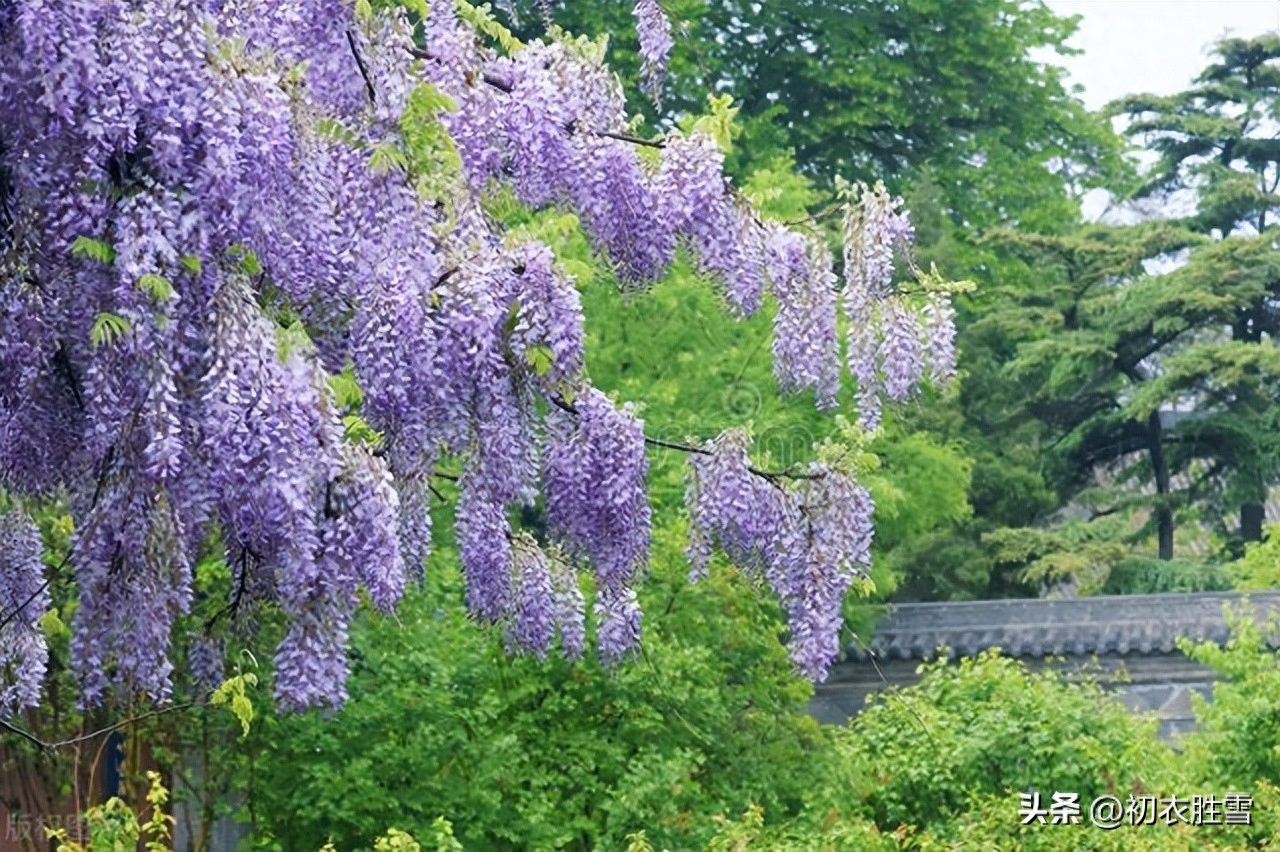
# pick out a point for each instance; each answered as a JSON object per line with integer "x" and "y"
{"x": 1158, "y": 46}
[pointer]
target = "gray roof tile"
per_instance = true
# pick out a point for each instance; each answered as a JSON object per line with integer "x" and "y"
{"x": 1116, "y": 624}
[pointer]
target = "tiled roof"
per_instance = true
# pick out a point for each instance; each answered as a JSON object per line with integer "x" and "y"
{"x": 1114, "y": 624}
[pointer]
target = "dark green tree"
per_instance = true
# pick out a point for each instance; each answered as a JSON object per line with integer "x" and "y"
{"x": 865, "y": 90}
{"x": 1095, "y": 350}
{"x": 1131, "y": 373}
{"x": 1217, "y": 142}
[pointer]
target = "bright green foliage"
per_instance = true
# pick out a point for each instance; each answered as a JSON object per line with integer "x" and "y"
{"x": 234, "y": 693}
{"x": 91, "y": 249}
{"x": 920, "y": 485}
{"x": 158, "y": 288}
{"x": 429, "y": 150}
{"x": 520, "y": 753}
{"x": 108, "y": 329}
{"x": 986, "y": 727}
{"x": 1237, "y": 744}
{"x": 445, "y": 737}
{"x": 114, "y": 826}
{"x": 1260, "y": 566}
{"x": 941, "y": 766}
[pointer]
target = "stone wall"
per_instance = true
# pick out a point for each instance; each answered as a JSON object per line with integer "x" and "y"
{"x": 1159, "y": 684}
{"x": 1129, "y": 644}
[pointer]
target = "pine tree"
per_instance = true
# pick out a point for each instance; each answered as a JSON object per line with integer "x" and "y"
{"x": 1216, "y": 143}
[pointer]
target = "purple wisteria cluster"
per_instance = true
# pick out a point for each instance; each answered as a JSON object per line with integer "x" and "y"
{"x": 24, "y": 597}
{"x": 893, "y": 342}
{"x": 547, "y": 600}
{"x": 808, "y": 536}
{"x": 215, "y": 213}
{"x": 806, "y": 345}
{"x": 599, "y": 449}
{"x": 654, "y": 30}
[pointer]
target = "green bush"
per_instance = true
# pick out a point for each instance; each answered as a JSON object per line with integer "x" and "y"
{"x": 702, "y": 744}
{"x": 1236, "y": 747}
{"x": 1139, "y": 575}
{"x": 522, "y": 753}
{"x": 989, "y": 727}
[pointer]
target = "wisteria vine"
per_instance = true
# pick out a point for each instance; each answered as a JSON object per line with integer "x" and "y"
{"x": 251, "y": 298}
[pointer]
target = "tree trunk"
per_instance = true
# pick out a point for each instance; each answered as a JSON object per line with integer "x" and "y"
{"x": 1160, "y": 468}
{"x": 1251, "y": 517}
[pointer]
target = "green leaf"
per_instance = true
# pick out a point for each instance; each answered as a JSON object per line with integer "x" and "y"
{"x": 191, "y": 263}
{"x": 718, "y": 122}
{"x": 541, "y": 359}
{"x": 157, "y": 287}
{"x": 52, "y": 625}
{"x": 430, "y": 155}
{"x": 346, "y": 389}
{"x": 293, "y": 338}
{"x": 333, "y": 130}
{"x": 578, "y": 270}
{"x": 397, "y": 841}
{"x": 481, "y": 18}
{"x": 244, "y": 258}
{"x": 357, "y": 430}
{"x": 87, "y": 248}
{"x": 426, "y": 99}
{"x": 513, "y": 317}
{"x": 233, "y": 692}
{"x": 388, "y": 157}
{"x": 108, "y": 329}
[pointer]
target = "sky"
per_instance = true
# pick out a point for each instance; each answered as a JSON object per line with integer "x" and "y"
{"x": 1157, "y": 46}
{"x": 1154, "y": 46}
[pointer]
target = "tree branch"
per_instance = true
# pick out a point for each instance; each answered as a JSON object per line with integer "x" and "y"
{"x": 4, "y": 622}
{"x": 364, "y": 71}
{"x": 772, "y": 475}
{"x": 627, "y": 137}
{"x": 506, "y": 87}
{"x": 242, "y": 583}
{"x": 825, "y": 212}
{"x": 51, "y": 746}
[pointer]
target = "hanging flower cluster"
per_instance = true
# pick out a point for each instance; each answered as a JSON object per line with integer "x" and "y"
{"x": 24, "y": 595}
{"x": 654, "y": 29}
{"x": 808, "y": 536}
{"x": 892, "y": 342}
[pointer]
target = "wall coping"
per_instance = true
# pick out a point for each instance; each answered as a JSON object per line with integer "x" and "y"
{"x": 1106, "y": 624}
